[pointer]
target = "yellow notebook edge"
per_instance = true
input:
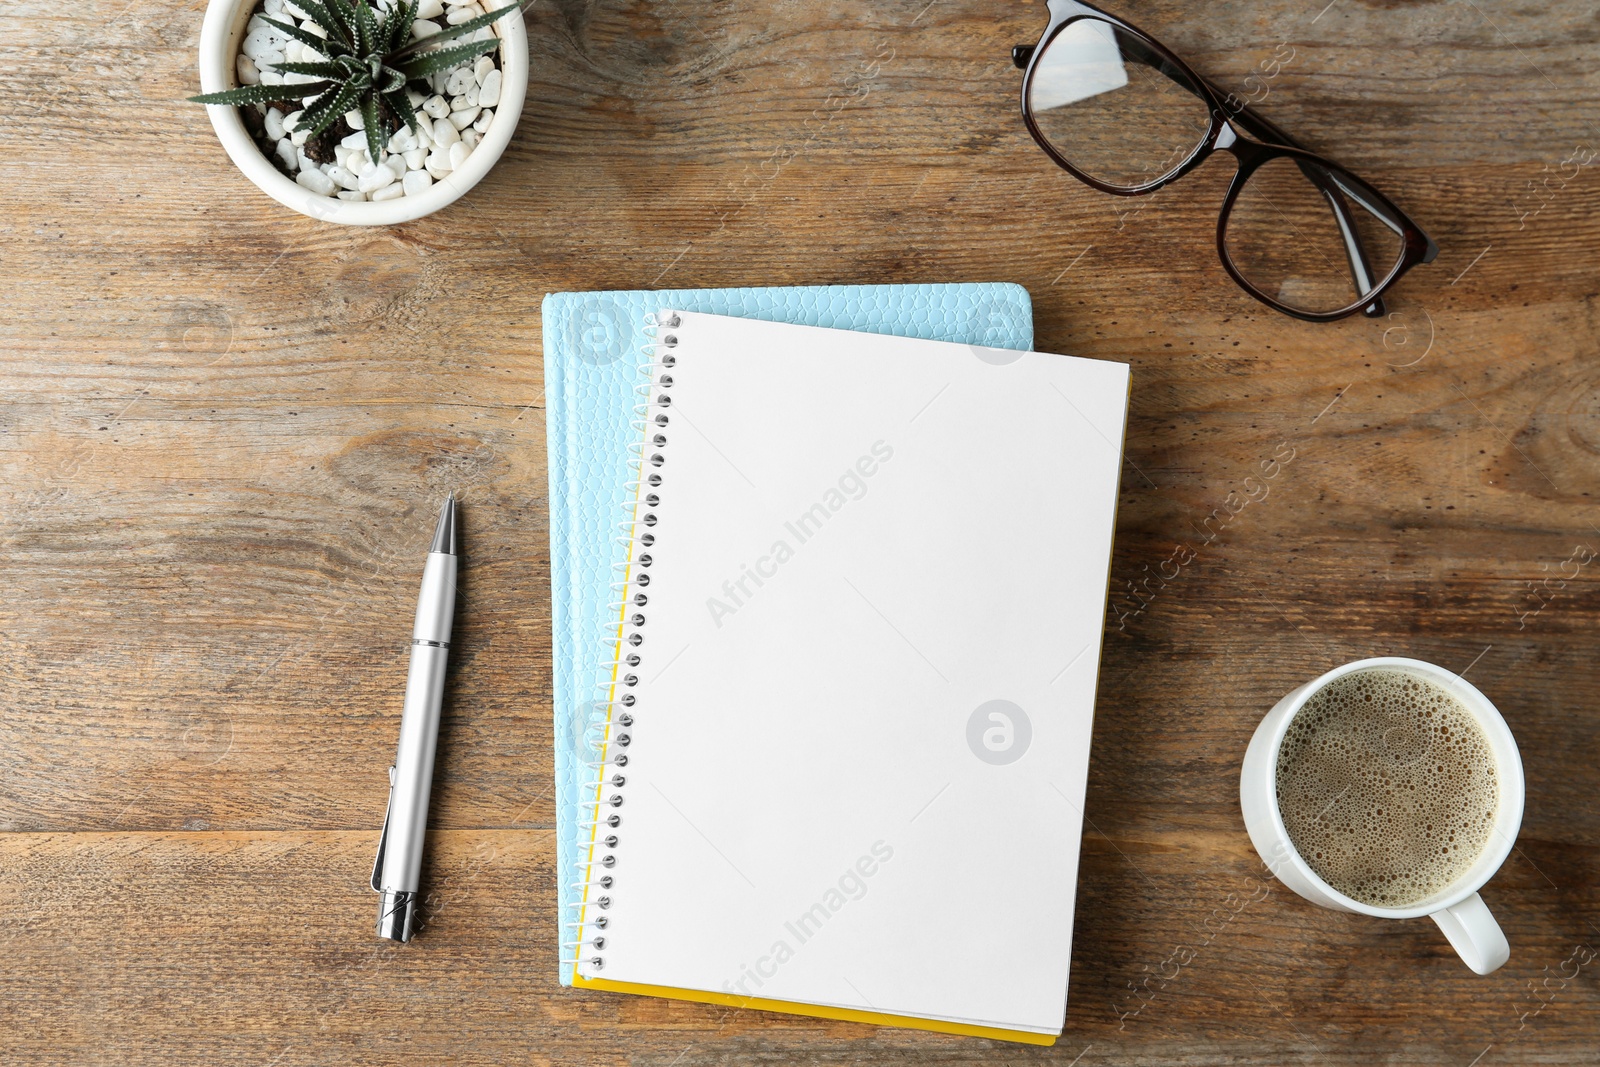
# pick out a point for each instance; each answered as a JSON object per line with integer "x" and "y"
{"x": 820, "y": 1011}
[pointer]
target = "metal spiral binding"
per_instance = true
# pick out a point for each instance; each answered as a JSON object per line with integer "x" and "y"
{"x": 606, "y": 731}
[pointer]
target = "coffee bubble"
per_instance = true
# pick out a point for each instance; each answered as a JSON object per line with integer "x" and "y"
{"x": 1387, "y": 786}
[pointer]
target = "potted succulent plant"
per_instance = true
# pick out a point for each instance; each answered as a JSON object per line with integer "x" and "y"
{"x": 363, "y": 111}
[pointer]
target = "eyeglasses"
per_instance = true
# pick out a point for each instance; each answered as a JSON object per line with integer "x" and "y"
{"x": 1121, "y": 113}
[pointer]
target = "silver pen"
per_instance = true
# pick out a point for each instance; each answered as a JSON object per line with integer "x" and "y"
{"x": 398, "y": 867}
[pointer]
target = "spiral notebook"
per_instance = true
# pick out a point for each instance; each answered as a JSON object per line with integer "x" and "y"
{"x": 854, "y": 653}
{"x": 591, "y": 357}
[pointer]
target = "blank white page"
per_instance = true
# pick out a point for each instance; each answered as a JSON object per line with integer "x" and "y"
{"x": 861, "y": 544}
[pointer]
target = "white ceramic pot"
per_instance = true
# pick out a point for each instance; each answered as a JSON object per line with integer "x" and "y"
{"x": 220, "y": 36}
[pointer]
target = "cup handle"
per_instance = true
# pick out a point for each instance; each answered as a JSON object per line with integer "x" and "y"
{"x": 1474, "y": 934}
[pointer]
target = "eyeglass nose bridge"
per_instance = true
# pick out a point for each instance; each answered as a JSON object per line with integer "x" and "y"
{"x": 1021, "y": 54}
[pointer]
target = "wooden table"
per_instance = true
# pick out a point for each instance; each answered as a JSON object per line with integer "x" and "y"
{"x": 227, "y": 428}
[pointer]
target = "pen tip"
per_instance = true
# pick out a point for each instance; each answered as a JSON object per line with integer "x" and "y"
{"x": 446, "y": 536}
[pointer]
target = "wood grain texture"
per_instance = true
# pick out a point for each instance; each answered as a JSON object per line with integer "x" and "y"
{"x": 225, "y": 427}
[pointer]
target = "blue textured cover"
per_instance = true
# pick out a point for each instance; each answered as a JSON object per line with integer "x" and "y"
{"x": 592, "y": 353}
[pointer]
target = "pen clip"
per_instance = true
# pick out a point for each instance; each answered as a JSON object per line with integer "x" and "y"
{"x": 383, "y": 838}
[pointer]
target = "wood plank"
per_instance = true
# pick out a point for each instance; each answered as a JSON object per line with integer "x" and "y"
{"x": 138, "y": 948}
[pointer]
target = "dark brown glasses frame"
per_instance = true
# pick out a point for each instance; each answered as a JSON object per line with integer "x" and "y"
{"x": 1232, "y": 130}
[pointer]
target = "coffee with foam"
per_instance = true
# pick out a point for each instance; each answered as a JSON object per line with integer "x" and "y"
{"x": 1387, "y": 786}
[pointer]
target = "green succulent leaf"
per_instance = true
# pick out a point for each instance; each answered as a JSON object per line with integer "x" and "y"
{"x": 445, "y": 59}
{"x": 262, "y": 94}
{"x": 450, "y": 33}
{"x": 366, "y": 28}
{"x": 407, "y": 15}
{"x": 345, "y": 12}
{"x": 316, "y": 109}
{"x": 390, "y": 79}
{"x": 303, "y": 36}
{"x": 329, "y": 107}
{"x": 325, "y": 18}
{"x": 316, "y": 70}
{"x": 377, "y": 135}
{"x": 396, "y": 99}
{"x": 386, "y": 28}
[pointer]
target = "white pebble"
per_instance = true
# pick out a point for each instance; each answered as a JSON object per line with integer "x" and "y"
{"x": 355, "y": 140}
{"x": 458, "y": 81}
{"x": 351, "y": 194}
{"x": 291, "y": 121}
{"x": 416, "y": 181}
{"x": 249, "y": 73}
{"x": 270, "y": 77}
{"x": 286, "y": 152}
{"x": 300, "y": 137}
{"x": 462, "y": 119}
{"x": 379, "y": 176}
{"x": 272, "y": 7}
{"x": 259, "y": 44}
{"x": 482, "y": 125}
{"x": 458, "y": 154}
{"x": 482, "y": 33}
{"x": 445, "y": 134}
{"x": 422, "y": 28}
{"x": 344, "y": 176}
{"x": 341, "y": 155}
{"x": 465, "y": 13}
{"x": 436, "y": 107}
{"x": 316, "y": 181}
{"x": 275, "y": 124}
{"x": 458, "y": 3}
{"x": 439, "y": 164}
{"x": 481, "y": 69}
{"x": 292, "y": 50}
{"x": 416, "y": 159}
{"x": 353, "y": 119}
{"x": 489, "y": 91}
{"x": 392, "y": 191}
{"x": 469, "y": 137}
{"x": 428, "y": 9}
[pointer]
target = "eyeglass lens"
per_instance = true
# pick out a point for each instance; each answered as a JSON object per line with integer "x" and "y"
{"x": 1311, "y": 237}
{"x": 1113, "y": 107}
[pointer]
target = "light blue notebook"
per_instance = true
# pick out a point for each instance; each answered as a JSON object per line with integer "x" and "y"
{"x": 592, "y": 353}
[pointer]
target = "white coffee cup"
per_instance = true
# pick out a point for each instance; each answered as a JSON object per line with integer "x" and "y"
{"x": 1458, "y": 909}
